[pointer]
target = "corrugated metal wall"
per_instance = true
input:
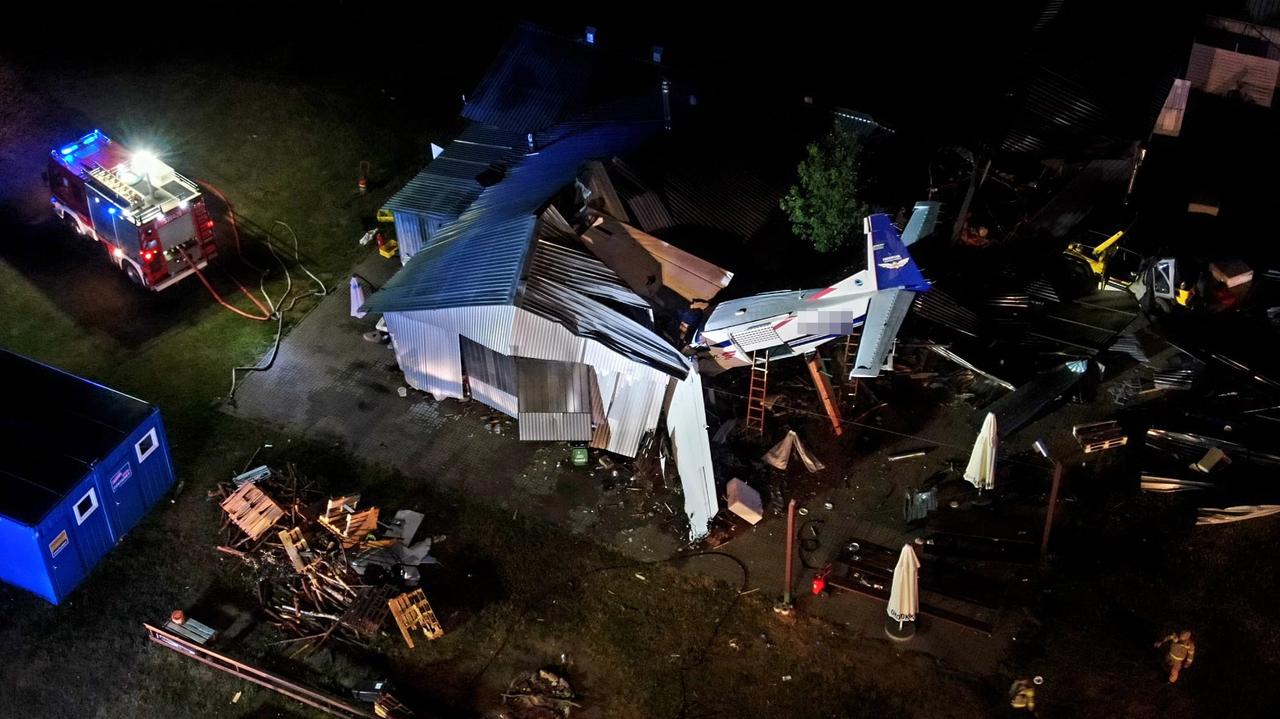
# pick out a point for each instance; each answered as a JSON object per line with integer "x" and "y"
{"x": 491, "y": 376}
{"x": 632, "y": 404}
{"x": 411, "y": 234}
{"x": 1223, "y": 72}
{"x": 431, "y": 358}
{"x": 631, "y": 393}
{"x": 555, "y": 427}
{"x": 687, "y": 423}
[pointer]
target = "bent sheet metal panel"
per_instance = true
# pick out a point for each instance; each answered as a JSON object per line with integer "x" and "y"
{"x": 431, "y": 358}
{"x": 687, "y": 424}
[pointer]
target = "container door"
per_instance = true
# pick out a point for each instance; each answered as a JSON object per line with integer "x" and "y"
{"x": 121, "y": 488}
{"x": 149, "y": 452}
{"x": 57, "y": 541}
{"x": 91, "y": 530}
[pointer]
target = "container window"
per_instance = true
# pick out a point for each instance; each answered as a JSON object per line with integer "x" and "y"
{"x": 86, "y": 505}
{"x": 146, "y": 445}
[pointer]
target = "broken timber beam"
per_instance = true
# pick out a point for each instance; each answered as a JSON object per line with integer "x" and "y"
{"x": 814, "y": 360}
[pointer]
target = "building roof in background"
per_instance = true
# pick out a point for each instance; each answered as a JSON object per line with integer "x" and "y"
{"x": 697, "y": 191}
{"x": 55, "y": 429}
{"x": 541, "y": 79}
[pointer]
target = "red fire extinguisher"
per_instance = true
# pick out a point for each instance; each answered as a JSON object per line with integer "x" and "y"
{"x": 820, "y": 580}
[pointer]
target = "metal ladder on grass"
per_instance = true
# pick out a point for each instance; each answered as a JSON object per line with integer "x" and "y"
{"x": 757, "y": 391}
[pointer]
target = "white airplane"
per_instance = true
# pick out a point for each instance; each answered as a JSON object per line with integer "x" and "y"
{"x": 790, "y": 323}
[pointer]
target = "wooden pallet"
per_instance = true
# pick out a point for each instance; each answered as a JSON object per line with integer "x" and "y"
{"x": 1099, "y": 436}
{"x": 341, "y": 518}
{"x": 412, "y": 612}
{"x": 368, "y": 612}
{"x": 250, "y": 509}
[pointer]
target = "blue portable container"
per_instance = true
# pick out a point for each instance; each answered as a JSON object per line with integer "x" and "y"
{"x": 81, "y": 464}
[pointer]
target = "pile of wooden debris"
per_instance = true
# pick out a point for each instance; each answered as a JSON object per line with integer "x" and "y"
{"x": 312, "y": 558}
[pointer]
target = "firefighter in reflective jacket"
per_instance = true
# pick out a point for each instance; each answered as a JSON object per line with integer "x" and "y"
{"x": 1182, "y": 652}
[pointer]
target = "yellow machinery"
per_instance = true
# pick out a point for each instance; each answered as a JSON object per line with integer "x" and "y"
{"x": 1096, "y": 258}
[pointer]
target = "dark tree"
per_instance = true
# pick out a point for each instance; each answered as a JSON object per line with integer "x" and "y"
{"x": 824, "y": 206}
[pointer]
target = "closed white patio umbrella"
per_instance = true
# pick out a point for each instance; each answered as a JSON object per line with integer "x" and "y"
{"x": 981, "y": 471}
{"x": 904, "y": 595}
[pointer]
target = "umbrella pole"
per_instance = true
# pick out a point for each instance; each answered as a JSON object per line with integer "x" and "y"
{"x": 791, "y": 538}
{"x": 1053, "y": 503}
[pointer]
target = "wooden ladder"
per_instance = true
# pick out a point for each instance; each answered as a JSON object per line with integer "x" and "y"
{"x": 757, "y": 391}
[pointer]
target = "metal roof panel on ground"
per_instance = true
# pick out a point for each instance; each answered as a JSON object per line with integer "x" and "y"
{"x": 1020, "y": 406}
{"x": 1088, "y": 323}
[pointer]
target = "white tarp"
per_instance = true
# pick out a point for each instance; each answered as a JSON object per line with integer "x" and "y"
{"x": 687, "y": 425}
{"x": 904, "y": 595}
{"x": 981, "y": 471}
{"x": 780, "y": 456}
{"x": 360, "y": 289}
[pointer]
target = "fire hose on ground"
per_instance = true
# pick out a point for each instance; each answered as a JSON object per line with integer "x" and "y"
{"x": 272, "y": 310}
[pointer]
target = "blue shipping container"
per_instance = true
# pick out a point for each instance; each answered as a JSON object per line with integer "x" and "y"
{"x": 82, "y": 463}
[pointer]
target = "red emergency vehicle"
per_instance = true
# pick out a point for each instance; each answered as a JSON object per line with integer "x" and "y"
{"x": 151, "y": 220}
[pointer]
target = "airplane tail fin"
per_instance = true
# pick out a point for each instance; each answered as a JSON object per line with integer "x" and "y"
{"x": 887, "y": 254}
{"x": 889, "y": 265}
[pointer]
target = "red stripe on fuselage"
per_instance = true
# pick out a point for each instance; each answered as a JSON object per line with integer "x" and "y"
{"x": 820, "y": 295}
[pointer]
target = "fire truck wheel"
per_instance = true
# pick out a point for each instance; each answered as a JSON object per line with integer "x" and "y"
{"x": 134, "y": 276}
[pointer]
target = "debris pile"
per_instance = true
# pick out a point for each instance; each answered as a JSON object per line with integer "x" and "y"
{"x": 322, "y": 570}
{"x": 539, "y": 695}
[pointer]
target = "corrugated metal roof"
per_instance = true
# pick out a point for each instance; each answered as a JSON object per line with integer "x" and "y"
{"x": 448, "y": 183}
{"x": 476, "y": 268}
{"x": 479, "y": 258}
{"x": 581, "y": 272}
{"x": 585, "y": 317}
{"x": 540, "y": 79}
{"x": 1051, "y": 109}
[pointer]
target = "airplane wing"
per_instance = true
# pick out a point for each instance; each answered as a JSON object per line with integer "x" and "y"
{"x": 884, "y": 316}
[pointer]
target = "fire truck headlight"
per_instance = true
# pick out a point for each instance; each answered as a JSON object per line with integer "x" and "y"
{"x": 117, "y": 253}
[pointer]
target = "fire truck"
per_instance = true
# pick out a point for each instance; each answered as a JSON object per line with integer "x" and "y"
{"x": 152, "y": 221}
